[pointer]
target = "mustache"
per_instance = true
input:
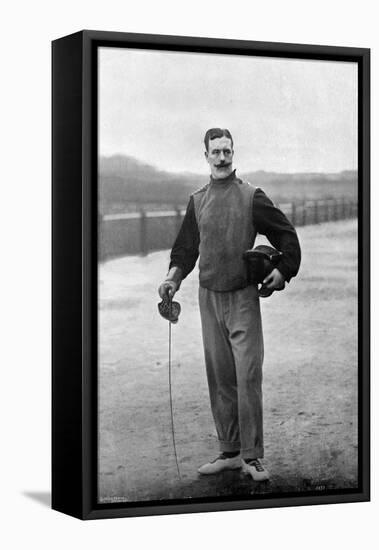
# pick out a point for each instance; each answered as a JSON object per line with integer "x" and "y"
{"x": 223, "y": 164}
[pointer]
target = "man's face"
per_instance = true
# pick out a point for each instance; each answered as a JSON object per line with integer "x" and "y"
{"x": 220, "y": 157}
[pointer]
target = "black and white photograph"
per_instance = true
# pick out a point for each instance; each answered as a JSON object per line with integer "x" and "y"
{"x": 227, "y": 276}
{"x": 188, "y": 236}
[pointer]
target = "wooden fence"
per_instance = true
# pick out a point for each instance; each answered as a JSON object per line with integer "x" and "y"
{"x": 143, "y": 232}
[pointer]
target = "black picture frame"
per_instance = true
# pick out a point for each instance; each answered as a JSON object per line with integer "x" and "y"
{"x": 75, "y": 254}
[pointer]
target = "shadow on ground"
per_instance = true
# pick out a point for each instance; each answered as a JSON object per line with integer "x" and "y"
{"x": 42, "y": 497}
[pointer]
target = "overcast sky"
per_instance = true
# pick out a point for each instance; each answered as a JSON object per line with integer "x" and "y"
{"x": 285, "y": 115}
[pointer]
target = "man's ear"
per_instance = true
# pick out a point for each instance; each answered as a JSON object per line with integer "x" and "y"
{"x": 206, "y": 155}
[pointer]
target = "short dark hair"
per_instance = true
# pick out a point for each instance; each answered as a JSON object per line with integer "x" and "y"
{"x": 214, "y": 133}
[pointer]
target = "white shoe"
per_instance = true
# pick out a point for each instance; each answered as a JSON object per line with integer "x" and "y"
{"x": 255, "y": 469}
{"x": 219, "y": 464}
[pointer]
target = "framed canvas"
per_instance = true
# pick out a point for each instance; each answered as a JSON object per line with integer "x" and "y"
{"x": 204, "y": 189}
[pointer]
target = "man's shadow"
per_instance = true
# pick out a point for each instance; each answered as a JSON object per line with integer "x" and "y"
{"x": 42, "y": 497}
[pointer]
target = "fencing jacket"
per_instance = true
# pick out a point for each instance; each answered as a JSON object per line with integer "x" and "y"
{"x": 221, "y": 222}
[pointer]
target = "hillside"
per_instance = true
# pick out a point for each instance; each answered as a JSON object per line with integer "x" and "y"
{"x": 127, "y": 184}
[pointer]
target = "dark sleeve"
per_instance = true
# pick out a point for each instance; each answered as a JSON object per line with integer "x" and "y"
{"x": 185, "y": 251}
{"x": 271, "y": 222}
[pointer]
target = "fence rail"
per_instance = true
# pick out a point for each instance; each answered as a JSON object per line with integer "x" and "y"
{"x": 143, "y": 232}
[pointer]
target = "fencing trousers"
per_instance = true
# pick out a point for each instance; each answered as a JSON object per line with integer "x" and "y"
{"x": 233, "y": 348}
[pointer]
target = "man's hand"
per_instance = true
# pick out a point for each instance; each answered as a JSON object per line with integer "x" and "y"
{"x": 167, "y": 289}
{"x": 274, "y": 281}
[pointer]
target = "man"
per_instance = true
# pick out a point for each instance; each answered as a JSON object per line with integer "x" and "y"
{"x": 221, "y": 222}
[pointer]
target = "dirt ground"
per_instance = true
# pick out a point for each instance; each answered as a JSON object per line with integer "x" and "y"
{"x": 309, "y": 388}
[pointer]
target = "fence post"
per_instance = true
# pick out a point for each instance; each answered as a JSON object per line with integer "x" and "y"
{"x": 316, "y": 212}
{"x": 143, "y": 232}
{"x": 100, "y": 237}
{"x": 335, "y": 210}
{"x": 293, "y": 214}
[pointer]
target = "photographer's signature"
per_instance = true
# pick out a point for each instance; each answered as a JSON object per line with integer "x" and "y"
{"x": 315, "y": 485}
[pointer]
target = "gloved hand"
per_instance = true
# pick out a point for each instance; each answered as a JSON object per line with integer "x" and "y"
{"x": 167, "y": 289}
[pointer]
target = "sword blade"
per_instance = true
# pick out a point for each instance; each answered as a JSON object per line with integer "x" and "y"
{"x": 170, "y": 391}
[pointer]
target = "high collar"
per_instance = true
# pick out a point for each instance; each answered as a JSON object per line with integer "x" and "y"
{"x": 228, "y": 179}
